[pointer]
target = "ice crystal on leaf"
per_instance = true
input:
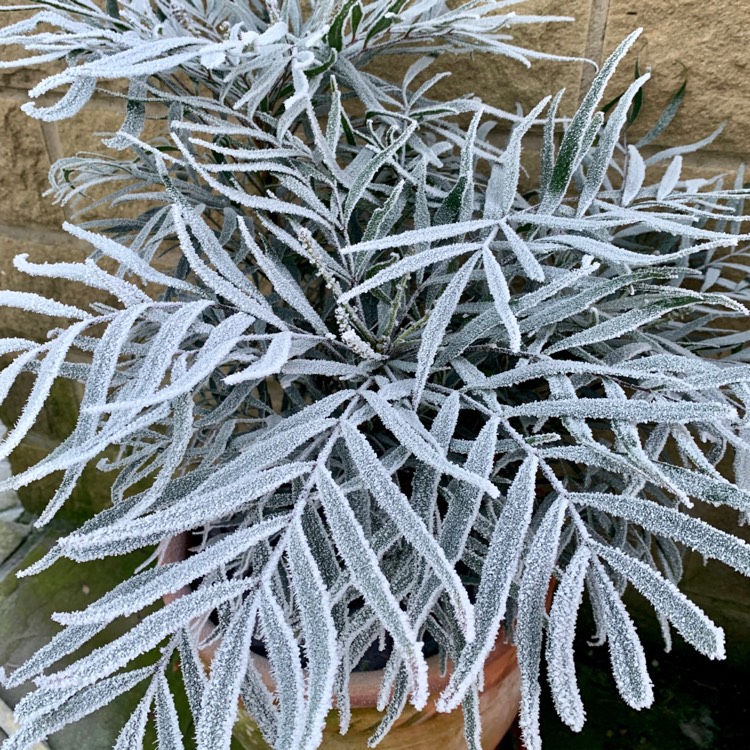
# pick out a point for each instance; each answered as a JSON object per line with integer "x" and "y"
{"x": 385, "y": 396}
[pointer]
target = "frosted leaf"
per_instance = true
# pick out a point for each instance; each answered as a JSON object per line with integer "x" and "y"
{"x": 333, "y": 124}
{"x": 149, "y": 586}
{"x": 425, "y": 235}
{"x": 377, "y": 481}
{"x": 84, "y": 702}
{"x": 260, "y": 451}
{"x": 322, "y": 367}
{"x": 127, "y": 259}
{"x": 221, "y": 287}
{"x": 168, "y": 733}
{"x": 592, "y": 454}
{"x": 367, "y": 576}
{"x": 437, "y": 323}
{"x": 522, "y": 252}
{"x": 625, "y": 650}
{"x": 15, "y": 344}
{"x": 635, "y": 410}
{"x": 41, "y": 702}
{"x": 173, "y": 455}
{"x": 384, "y": 218}
{"x": 219, "y": 704}
{"x": 75, "y": 99}
{"x": 482, "y": 327}
{"x": 511, "y": 165}
{"x": 321, "y": 548}
{"x": 319, "y": 632}
{"x": 665, "y": 118}
{"x": 628, "y": 442}
{"x": 270, "y": 363}
{"x": 714, "y": 490}
{"x": 86, "y": 273}
{"x": 689, "y": 620}
{"x": 561, "y": 633}
{"x": 63, "y": 643}
{"x": 608, "y": 140}
{"x": 99, "y": 379}
{"x": 425, "y": 484}
{"x": 100, "y": 520}
{"x": 634, "y": 176}
{"x": 287, "y": 673}
{"x": 164, "y": 345}
{"x": 670, "y": 153}
{"x": 259, "y": 702}
{"x": 192, "y": 671}
{"x": 149, "y": 632}
{"x": 444, "y": 424}
{"x": 394, "y": 709}
{"x": 31, "y": 60}
{"x": 741, "y": 463}
{"x": 188, "y": 513}
{"x": 620, "y": 325}
{"x": 408, "y": 265}
{"x": 570, "y": 146}
{"x": 463, "y": 509}
{"x": 135, "y": 116}
{"x": 548, "y": 144}
{"x": 670, "y": 179}
{"x": 532, "y": 596}
{"x": 499, "y": 570}
{"x": 568, "y": 307}
{"x": 501, "y": 296}
{"x": 218, "y": 256}
{"x": 523, "y": 373}
{"x": 363, "y": 179}
{"x": 132, "y": 735}
{"x": 214, "y": 352}
{"x": 37, "y": 304}
{"x": 283, "y": 282}
{"x": 673, "y": 524}
{"x": 472, "y": 719}
{"x": 567, "y": 280}
{"x": 422, "y": 445}
{"x": 48, "y": 373}
{"x": 672, "y": 224}
{"x": 85, "y": 451}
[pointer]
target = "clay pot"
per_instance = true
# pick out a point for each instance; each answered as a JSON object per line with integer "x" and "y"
{"x": 414, "y": 730}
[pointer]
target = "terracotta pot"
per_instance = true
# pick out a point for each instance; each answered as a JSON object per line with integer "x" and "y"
{"x": 414, "y": 730}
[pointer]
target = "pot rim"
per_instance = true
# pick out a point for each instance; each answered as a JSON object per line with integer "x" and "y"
{"x": 363, "y": 686}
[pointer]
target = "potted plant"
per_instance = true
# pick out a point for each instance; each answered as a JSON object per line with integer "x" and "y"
{"x": 365, "y": 398}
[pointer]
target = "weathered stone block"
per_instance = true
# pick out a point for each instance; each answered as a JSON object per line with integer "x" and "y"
{"x": 25, "y": 165}
{"x": 503, "y": 82}
{"x": 11, "y": 535}
{"x": 703, "y": 42}
{"x": 41, "y": 246}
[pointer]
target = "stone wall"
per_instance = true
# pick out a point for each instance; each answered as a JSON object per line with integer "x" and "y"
{"x": 703, "y": 42}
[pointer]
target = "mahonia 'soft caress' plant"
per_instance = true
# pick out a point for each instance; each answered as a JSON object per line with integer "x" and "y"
{"x": 386, "y": 391}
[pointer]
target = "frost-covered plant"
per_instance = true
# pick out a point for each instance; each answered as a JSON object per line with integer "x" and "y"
{"x": 389, "y": 396}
